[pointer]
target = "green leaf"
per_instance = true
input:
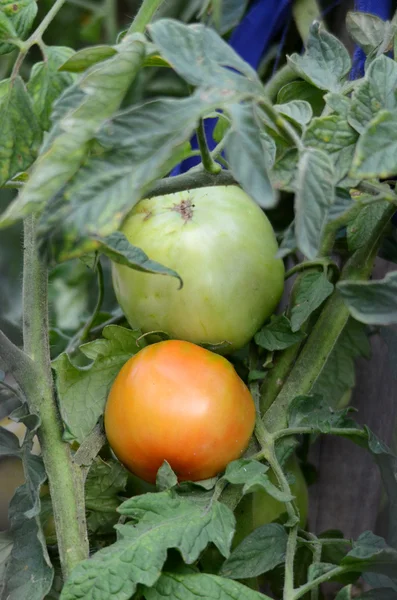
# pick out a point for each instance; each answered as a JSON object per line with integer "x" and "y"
{"x": 372, "y": 302}
{"x": 202, "y": 58}
{"x": 193, "y": 587}
{"x": 371, "y": 553}
{"x": 338, "y": 374}
{"x": 166, "y": 478}
{"x": 298, "y": 111}
{"x": 119, "y": 250}
{"x": 302, "y": 90}
{"x": 85, "y": 58}
{"x": 20, "y": 134}
{"x": 5, "y": 551}
{"x": 314, "y": 287}
{"x": 83, "y": 391}
{"x": 330, "y": 134}
{"x": 243, "y": 470}
{"x": 315, "y": 193}
{"x": 278, "y": 334}
{"x": 378, "y": 594}
{"x": 375, "y": 93}
{"x": 21, "y": 15}
{"x": 247, "y": 154}
{"x": 9, "y": 443}
{"x": 258, "y": 553}
{"x": 165, "y": 521}
{"x": 105, "y": 480}
{"x": 326, "y": 61}
{"x": 345, "y": 593}
{"x": 366, "y": 30}
{"x": 80, "y": 112}
{"x": 315, "y": 413}
{"x": 46, "y": 83}
{"x": 361, "y": 228}
{"x": 283, "y": 173}
{"x": 7, "y": 30}
{"x": 338, "y": 103}
{"x": 376, "y": 150}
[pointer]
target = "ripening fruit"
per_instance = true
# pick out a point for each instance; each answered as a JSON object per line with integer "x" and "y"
{"x": 178, "y": 402}
{"x": 223, "y": 246}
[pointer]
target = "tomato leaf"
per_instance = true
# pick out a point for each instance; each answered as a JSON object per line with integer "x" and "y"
{"x": 278, "y": 334}
{"x": 315, "y": 413}
{"x": 192, "y": 587}
{"x": 376, "y": 150}
{"x": 21, "y": 15}
{"x": 164, "y": 521}
{"x": 315, "y": 193}
{"x": 326, "y": 61}
{"x": 259, "y": 552}
{"x": 20, "y": 134}
{"x": 119, "y": 250}
{"x": 371, "y": 553}
{"x": 298, "y": 111}
{"x": 374, "y": 93}
{"x": 243, "y": 470}
{"x": 338, "y": 103}
{"x": 46, "y": 83}
{"x": 85, "y": 58}
{"x": 372, "y": 302}
{"x": 302, "y": 90}
{"x": 314, "y": 287}
{"x": 83, "y": 391}
{"x": 366, "y": 30}
{"x": 166, "y": 478}
{"x": 105, "y": 480}
{"x": 330, "y": 134}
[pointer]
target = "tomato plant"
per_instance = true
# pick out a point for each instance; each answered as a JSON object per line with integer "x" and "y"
{"x": 178, "y": 402}
{"x": 234, "y": 176}
{"x": 223, "y": 247}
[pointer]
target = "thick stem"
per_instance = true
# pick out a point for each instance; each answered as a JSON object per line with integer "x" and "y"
{"x": 189, "y": 181}
{"x": 307, "y": 587}
{"x": 65, "y": 479}
{"x": 289, "y": 564}
{"x": 144, "y": 15}
{"x": 208, "y": 162}
{"x": 326, "y": 331}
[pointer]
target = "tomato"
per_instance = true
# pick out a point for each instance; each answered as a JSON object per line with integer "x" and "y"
{"x": 223, "y": 246}
{"x": 178, "y": 402}
{"x": 259, "y": 508}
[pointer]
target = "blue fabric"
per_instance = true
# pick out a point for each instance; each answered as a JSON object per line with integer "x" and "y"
{"x": 380, "y": 8}
{"x": 251, "y": 38}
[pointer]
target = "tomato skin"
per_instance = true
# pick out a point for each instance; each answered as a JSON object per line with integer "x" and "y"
{"x": 178, "y": 402}
{"x": 223, "y": 246}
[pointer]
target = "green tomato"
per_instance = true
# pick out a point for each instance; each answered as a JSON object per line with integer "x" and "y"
{"x": 259, "y": 508}
{"x": 223, "y": 246}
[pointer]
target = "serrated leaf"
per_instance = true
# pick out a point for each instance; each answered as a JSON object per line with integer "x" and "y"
{"x": 20, "y": 134}
{"x": 263, "y": 483}
{"x": 46, "y": 83}
{"x": 165, "y": 521}
{"x": 278, "y": 334}
{"x": 360, "y": 229}
{"x": 247, "y": 154}
{"x": 85, "y": 58}
{"x": 372, "y": 302}
{"x": 315, "y": 413}
{"x": 376, "y": 150}
{"x": 83, "y": 392}
{"x": 9, "y": 443}
{"x": 166, "y": 478}
{"x": 119, "y": 250}
{"x": 375, "y": 93}
{"x": 338, "y": 103}
{"x": 201, "y": 57}
{"x": 371, "y": 553}
{"x": 315, "y": 193}
{"x": 195, "y": 587}
{"x": 298, "y": 111}
{"x": 21, "y": 14}
{"x": 366, "y": 30}
{"x": 80, "y": 112}
{"x": 243, "y": 470}
{"x": 105, "y": 480}
{"x": 330, "y": 134}
{"x": 326, "y": 61}
{"x": 338, "y": 374}
{"x": 314, "y": 287}
{"x": 259, "y": 552}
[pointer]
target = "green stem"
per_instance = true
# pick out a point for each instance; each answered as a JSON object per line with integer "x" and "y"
{"x": 110, "y": 20}
{"x": 289, "y": 564}
{"x": 65, "y": 478}
{"x": 322, "y": 263}
{"x": 326, "y": 331}
{"x": 307, "y": 587}
{"x": 144, "y": 15}
{"x": 276, "y": 376}
{"x": 189, "y": 181}
{"x": 101, "y": 287}
{"x": 308, "y": 430}
{"x": 208, "y": 162}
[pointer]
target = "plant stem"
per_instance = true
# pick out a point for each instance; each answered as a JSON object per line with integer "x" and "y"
{"x": 321, "y": 263}
{"x": 308, "y": 430}
{"x": 304, "y": 589}
{"x": 289, "y": 564}
{"x": 208, "y": 162}
{"x": 189, "y": 181}
{"x": 110, "y": 20}
{"x": 144, "y": 15}
{"x": 326, "y": 331}
{"x": 65, "y": 479}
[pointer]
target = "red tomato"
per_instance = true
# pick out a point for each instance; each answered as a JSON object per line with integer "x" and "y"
{"x": 178, "y": 402}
